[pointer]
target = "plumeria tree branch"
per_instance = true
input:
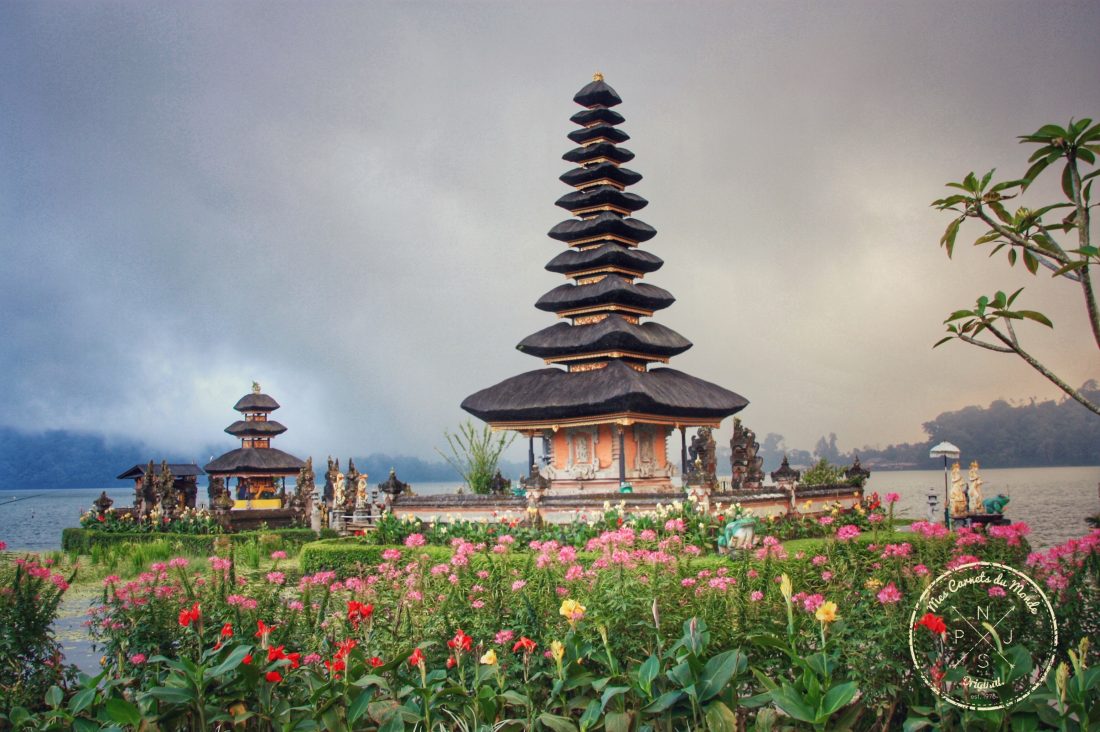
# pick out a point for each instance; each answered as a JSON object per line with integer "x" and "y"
{"x": 1027, "y": 238}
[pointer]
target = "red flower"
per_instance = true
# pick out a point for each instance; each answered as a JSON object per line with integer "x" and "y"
{"x": 247, "y": 659}
{"x": 263, "y": 632}
{"x": 273, "y": 676}
{"x": 190, "y": 616}
{"x": 417, "y": 658}
{"x": 934, "y": 623}
{"x": 227, "y": 631}
{"x": 275, "y": 653}
{"x": 524, "y": 644}
{"x": 345, "y": 646}
{"x": 375, "y": 662}
{"x": 335, "y": 666}
{"x": 295, "y": 659}
{"x": 461, "y": 641}
{"x": 451, "y": 661}
{"x": 100, "y": 518}
{"x": 358, "y": 612}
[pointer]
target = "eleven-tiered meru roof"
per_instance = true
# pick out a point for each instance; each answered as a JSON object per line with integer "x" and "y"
{"x": 606, "y": 348}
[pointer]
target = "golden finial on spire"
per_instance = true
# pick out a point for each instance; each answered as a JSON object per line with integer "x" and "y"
{"x": 255, "y": 387}
{"x": 598, "y": 76}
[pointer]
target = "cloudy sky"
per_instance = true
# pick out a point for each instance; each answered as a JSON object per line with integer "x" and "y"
{"x": 348, "y": 203}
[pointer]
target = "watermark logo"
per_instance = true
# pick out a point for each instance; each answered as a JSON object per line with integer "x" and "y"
{"x": 983, "y": 636}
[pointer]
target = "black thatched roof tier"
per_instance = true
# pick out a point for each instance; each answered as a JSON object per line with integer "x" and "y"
{"x": 262, "y": 460}
{"x": 597, "y": 93}
{"x": 178, "y": 470}
{"x": 613, "y": 333}
{"x": 587, "y": 117}
{"x": 600, "y": 150}
{"x": 607, "y": 254}
{"x": 611, "y": 290}
{"x": 602, "y": 223}
{"x": 601, "y": 196}
{"x": 242, "y": 428}
{"x": 256, "y": 402}
{"x": 587, "y": 135}
{"x": 551, "y": 393}
{"x": 600, "y": 171}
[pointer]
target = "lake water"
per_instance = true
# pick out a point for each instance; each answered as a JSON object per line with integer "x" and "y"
{"x": 1055, "y": 501}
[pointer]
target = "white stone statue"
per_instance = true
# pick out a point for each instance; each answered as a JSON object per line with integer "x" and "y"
{"x": 339, "y": 495}
{"x": 958, "y": 492}
{"x": 976, "y": 481}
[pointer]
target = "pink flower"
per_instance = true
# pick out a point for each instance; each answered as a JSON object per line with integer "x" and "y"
{"x": 176, "y": 562}
{"x": 825, "y": 520}
{"x": 756, "y": 596}
{"x": 674, "y": 526}
{"x": 137, "y": 659}
{"x": 876, "y": 518}
{"x": 477, "y": 604}
{"x": 276, "y": 578}
{"x": 996, "y": 591}
{"x": 280, "y": 554}
{"x": 3, "y": 546}
{"x": 892, "y": 498}
{"x": 413, "y": 540}
{"x": 687, "y": 582}
{"x": 920, "y": 570}
{"x": 818, "y": 560}
{"x": 813, "y": 602}
{"x": 889, "y": 594}
{"x": 504, "y": 637}
{"x": 220, "y": 564}
{"x": 826, "y": 576}
{"x": 391, "y": 555}
{"x": 518, "y": 585}
{"x": 847, "y": 532}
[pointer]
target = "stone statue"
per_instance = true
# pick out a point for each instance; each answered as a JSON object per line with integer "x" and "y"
{"x": 352, "y": 482}
{"x": 303, "y": 488}
{"x": 975, "y": 488}
{"x": 498, "y": 484}
{"x": 330, "y": 479}
{"x": 148, "y": 490}
{"x": 339, "y": 496}
{"x": 703, "y": 449}
{"x": 361, "y": 497}
{"x": 857, "y": 475}
{"x": 746, "y": 467}
{"x": 166, "y": 490}
{"x": 958, "y": 492}
{"x": 102, "y": 503}
{"x": 995, "y": 505}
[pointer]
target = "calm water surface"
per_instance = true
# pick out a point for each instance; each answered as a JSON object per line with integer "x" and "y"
{"x": 1055, "y": 501}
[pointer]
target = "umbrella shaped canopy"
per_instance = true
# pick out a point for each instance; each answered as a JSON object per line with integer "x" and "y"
{"x": 944, "y": 449}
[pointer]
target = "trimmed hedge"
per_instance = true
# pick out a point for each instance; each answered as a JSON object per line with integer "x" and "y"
{"x": 81, "y": 541}
{"x": 346, "y": 556}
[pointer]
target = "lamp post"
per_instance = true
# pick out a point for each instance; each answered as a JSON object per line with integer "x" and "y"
{"x": 945, "y": 450}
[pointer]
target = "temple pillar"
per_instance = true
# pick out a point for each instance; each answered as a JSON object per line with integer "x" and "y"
{"x": 622, "y": 454}
{"x": 683, "y": 452}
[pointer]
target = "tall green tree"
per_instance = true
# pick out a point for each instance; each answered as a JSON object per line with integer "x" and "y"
{"x": 1034, "y": 236}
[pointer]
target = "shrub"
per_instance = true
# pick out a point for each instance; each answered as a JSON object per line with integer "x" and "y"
{"x": 82, "y": 541}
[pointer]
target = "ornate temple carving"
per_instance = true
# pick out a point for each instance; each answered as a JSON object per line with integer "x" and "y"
{"x": 746, "y": 466}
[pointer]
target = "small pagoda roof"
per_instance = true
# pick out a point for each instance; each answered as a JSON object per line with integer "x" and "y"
{"x": 613, "y": 333}
{"x": 578, "y": 177}
{"x": 178, "y": 470}
{"x": 601, "y": 196}
{"x": 609, "y": 254}
{"x": 601, "y": 131}
{"x": 248, "y": 428}
{"x": 611, "y": 290}
{"x": 604, "y": 223}
{"x": 598, "y": 114}
{"x": 597, "y": 93}
{"x": 256, "y": 402}
{"x": 552, "y": 394}
{"x": 260, "y": 460}
{"x": 581, "y": 155}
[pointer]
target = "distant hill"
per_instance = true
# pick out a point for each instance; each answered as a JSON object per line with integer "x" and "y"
{"x": 64, "y": 459}
{"x": 1002, "y": 435}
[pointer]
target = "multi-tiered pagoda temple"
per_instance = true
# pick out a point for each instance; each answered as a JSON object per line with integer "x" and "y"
{"x": 260, "y": 469}
{"x": 602, "y": 406}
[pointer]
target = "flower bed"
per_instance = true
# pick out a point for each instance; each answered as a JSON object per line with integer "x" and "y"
{"x": 81, "y": 541}
{"x": 630, "y": 632}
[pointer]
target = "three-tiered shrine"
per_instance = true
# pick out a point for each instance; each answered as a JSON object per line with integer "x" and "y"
{"x": 260, "y": 469}
{"x": 602, "y": 406}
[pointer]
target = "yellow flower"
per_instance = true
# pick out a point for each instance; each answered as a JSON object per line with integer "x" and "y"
{"x": 571, "y": 610}
{"x": 826, "y": 613}
{"x": 785, "y": 587}
{"x": 557, "y": 651}
{"x": 873, "y": 584}
{"x": 490, "y": 658}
